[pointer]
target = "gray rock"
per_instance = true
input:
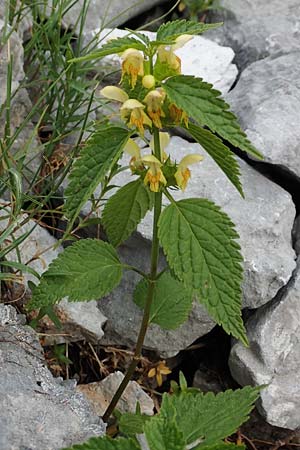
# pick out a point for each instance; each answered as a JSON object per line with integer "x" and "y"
{"x": 100, "y": 394}
{"x": 103, "y": 13}
{"x": 256, "y": 29}
{"x": 80, "y": 320}
{"x": 267, "y": 101}
{"x": 273, "y": 357}
{"x": 264, "y": 222}
{"x": 22, "y": 19}
{"x": 296, "y": 235}
{"x": 38, "y": 412}
{"x": 199, "y": 57}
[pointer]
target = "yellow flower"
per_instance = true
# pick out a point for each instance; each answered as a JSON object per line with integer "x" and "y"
{"x": 164, "y": 139}
{"x": 166, "y": 53}
{"x": 132, "y": 112}
{"x": 167, "y": 56}
{"x": 154, "y": 176}
{"x": 134, "y": 151}
{"x": 177, "y": 115}
{"x": 133, "y": 64}
{"x": 158, "y": 371}
{"x": 154, "y": 101}
{"x": 114, "y": 93}
{"x": 183, "y": 173}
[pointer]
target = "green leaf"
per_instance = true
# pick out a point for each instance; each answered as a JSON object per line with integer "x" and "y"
{"x": 118, "y": 45}
{"x": 199, "y": 242}
{"x": 125, "y": 209}
{"x": 131, "y": 424}
{"x": 219, "y": 152}
{"x": 99, "y": 155}
{"x": 106, "y": 443}
{"x": 87, "y": 270}
{"x": 204, "y": 104}
{"x": 164, "y": 435}
{"x": 171, "y": 303}
{"x": 208, "y": 416}
{"x": 172, "y": 30}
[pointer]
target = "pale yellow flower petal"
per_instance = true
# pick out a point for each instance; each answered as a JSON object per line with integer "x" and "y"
{"x": 181, "y": 41}
{"x": 164, "y": 140}
{"x": 187, "y": 160}
{"x": 114, "y": 93}
{"x": 149, "y": 160}
{"x": 152, "y": 372}
{"x": 132, "y": 149}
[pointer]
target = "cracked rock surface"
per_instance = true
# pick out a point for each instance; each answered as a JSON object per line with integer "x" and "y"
{"x": 273, "y": 357}
{"x": 256, "y": 29}
{"x": 266, "y": 100}
{"x": 38, "y": 411}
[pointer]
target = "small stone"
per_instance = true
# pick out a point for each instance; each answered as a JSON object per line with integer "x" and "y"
{"x": 100, "y": 394}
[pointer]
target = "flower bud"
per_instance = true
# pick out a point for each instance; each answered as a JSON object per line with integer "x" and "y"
{"x": 148, "y": 81}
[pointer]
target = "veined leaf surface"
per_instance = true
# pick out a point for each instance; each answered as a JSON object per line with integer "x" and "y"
{"x": 208, "y": 416}
{"x": 87, "y": 270}
{"x": 125, "y": 209}
{"x": 172, "y": 30}
{"x": 98, "y": 156}
{"x": 171, "y": 304}
{"x": 203, "y": 103}
{"x": 199, "y": 242}
{"x": 106, "y": 443}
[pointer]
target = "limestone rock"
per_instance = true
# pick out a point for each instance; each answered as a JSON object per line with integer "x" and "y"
{"x": 273, "y": 357}
{"x": 37, "y": 411}
{"x": 267, "y": 101}
{"x": 264, "y": 222}
{"x": 100, "y": 394}
{"x": 256, "y": 29}
{"x": 101, "y": 13}
{"x": 199, "y": 57}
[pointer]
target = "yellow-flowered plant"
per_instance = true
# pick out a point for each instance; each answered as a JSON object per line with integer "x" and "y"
{"x": 203, "y": 258}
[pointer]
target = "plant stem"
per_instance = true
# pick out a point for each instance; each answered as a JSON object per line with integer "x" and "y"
{"x": 150, "y": 293}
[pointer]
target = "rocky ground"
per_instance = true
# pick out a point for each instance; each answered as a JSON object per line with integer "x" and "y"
{"x": 254, "y": 59}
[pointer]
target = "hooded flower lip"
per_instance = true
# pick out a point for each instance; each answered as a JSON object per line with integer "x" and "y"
{"x": 132, "y": 65}
{"x": 154, "y": 101}
{"x": 134, "y": 151}
{"x": 164, "y": 140}
{"x": 132, "y": 112}
{"x": 154, "y": 176}
{"x": 183, "y": 173}
{"x": 114, "y": 93}
{"x": 166, "y": 53}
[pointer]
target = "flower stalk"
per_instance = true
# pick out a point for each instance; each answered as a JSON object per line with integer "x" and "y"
{"x": 151, "y": 285}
